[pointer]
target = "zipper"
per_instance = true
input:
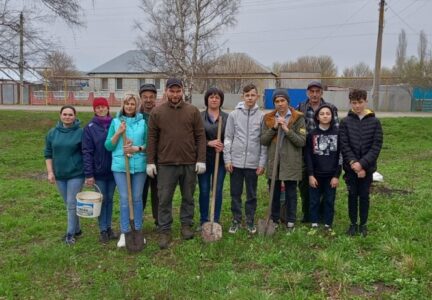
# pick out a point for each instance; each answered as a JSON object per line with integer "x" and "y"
{"x": 247, "y": 139}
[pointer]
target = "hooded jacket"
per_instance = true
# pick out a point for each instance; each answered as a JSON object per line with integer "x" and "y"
{"x": 290, "y": 152}
{"x": 63, "y": 146}
{"x": 361, "y": 140}
{"x": 97, "y": 160}
{"x": 242, "y": 147}
{"x": 136, "y": 131}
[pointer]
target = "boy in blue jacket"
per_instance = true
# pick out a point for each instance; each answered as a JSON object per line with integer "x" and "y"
{"x": 361, "y": 139}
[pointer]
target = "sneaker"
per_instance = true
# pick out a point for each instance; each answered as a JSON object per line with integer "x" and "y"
{"x": 78, "y": 234}
{"x": 352, "y": 230}
{"x": 69, "y": 240}
{"x": 112, "y": 235}
{"x": 234, "y": 227}
{"x": 363, "y": 230}
{"x": 314, "y": 225}
{"x": 122, "y": 241}
{"x": 164, "y": 240}
{"x": 104, "y": 237}
{"x": 290, "y": 226}
{"x": 187, "y": 232}
{"x": 251, "y": 228}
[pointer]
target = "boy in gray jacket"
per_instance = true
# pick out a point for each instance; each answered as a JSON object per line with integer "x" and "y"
{"x": 244, "y": 156}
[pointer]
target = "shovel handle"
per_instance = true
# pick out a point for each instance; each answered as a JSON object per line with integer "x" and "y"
{"x": 274, "y": 172}
{"x": 128, "y": 182}
{"x": 215, "y": 175}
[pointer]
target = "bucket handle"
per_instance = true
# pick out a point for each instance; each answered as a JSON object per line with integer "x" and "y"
{"x": 98, "y": 189}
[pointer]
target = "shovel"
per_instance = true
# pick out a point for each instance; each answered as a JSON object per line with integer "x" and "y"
{"x": 267, "y": 226}
{"x": 212, "y": 231}
{"x": 134, "y": 238}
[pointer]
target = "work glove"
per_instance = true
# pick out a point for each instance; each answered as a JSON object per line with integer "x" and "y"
{"x": 151, "y": 170}
{"x": 200, "y": 168}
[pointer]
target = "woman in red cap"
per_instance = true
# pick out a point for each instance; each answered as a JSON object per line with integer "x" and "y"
{"x": 97, "y": 164}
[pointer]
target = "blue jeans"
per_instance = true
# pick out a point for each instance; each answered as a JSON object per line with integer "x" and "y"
{"x": 68, "y": 189}
{"x": 137, "y": 185}
{"x": 328, "y": 195}
{"x": 205, "y": 182}
{"x": 107, "y": 188}
{"x": 250, "y": 178}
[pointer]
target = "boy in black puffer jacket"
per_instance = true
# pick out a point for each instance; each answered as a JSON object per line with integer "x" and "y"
{"x": 361, "y": 140}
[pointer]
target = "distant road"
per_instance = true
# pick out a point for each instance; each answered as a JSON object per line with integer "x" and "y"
{"x": 380, "y": 114}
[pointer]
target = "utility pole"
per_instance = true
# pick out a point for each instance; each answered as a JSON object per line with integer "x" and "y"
{"x": 377, "y": 75}
{"x": 21, "y": 60}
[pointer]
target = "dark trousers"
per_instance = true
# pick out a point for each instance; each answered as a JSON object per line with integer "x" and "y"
{"x": 168, "y": 178}
{"x": 358, "y": 196}
{"x": 322, "y": 196}
{"x": 290, "y": 201}
{"x": 151, "y": 183}
{"x": 250, "y": 178}
{"x": 303, "y": 186}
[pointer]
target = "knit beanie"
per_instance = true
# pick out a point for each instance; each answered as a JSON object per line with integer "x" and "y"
{"x": 280, "y": 93}
{"x": 100, "y": 101}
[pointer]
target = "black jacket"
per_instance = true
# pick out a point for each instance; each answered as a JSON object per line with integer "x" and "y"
{"x": 211, "y": 134}
{"x": 323, "y": 152}
{"x": 361, "y": 140}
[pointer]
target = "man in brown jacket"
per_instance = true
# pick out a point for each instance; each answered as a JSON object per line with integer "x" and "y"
{"x": 293, "y": 129}
{"x": 177, "y": 142}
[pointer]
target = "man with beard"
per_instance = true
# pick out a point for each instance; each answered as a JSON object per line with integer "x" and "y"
{"x": 177, "y": 144}
{"x": 308, "y": 108}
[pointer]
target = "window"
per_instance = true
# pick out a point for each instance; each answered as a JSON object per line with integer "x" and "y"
{"x": 157, "y": 83}
{"x": 119, "y": 83}
{"x": 141, "y": 81}
{"x": 104, "y": 83}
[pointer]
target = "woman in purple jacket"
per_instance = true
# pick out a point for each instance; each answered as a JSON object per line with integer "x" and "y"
{"x": 97, "y": 164}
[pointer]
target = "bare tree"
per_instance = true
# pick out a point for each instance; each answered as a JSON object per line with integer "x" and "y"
{"x": 361, "y": 75}
{"x": 60, "y": 67}
{"x": 36, "y": 42}
{"x": 313, "y": 64}
{"x": 401, "y": 51}
{"x": 179, "y": 36}
{"x": 422, "y": 48}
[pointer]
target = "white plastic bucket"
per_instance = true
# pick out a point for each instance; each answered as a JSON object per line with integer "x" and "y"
{"x": 89, "y": 203}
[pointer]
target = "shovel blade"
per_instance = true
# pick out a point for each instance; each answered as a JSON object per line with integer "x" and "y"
{"x": 211, "y": 232}
{"x": 134, "y": 241}
{"x": 266, "y": 227}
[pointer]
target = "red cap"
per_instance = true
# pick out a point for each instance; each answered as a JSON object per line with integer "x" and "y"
{"x": 100, "y": 101}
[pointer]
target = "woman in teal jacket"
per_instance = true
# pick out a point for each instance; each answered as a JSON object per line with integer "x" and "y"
{"x": 64, "y": 165}
{"x": 130, "y": 121}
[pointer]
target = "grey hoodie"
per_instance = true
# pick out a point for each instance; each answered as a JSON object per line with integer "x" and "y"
{"x": 242, "y": 147}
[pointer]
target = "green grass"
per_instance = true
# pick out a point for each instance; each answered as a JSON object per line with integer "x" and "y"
{"x": 393, "y": 262}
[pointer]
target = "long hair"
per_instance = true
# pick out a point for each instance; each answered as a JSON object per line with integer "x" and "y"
{"x": 128, "y": 97}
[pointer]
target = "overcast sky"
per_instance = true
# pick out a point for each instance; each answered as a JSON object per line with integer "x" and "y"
{"x": 267, "y": 30}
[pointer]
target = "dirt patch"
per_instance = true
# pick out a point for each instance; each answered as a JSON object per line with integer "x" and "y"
{"x": 380, "y": 189}
{"x": 378, "y": 291}
{"x": 42, "y": 176}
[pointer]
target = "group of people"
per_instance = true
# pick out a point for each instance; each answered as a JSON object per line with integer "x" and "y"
{"x": 175, "y": 144}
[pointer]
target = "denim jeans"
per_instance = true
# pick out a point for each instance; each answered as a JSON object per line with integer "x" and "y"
{"x": 358, "y": 195}
{"x": 107, "y": 188}
{"x": 328, "y": 195}
{"x": 137, "y": 185}
{"x": 290, "y": 200}
{"x": 205, "y": 183}
{"x": 68, "y": 189}
{"x": 250, "y": 178}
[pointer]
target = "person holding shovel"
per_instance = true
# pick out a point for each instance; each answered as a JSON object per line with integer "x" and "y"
{"x": 291, "y": 125}
{"x": 176, "y": 154}
{"x": 97, "y": 164}
{"x": 213, "y": 100}
{"x": 64, "y": 163}
{"x": 127, "y": 135}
